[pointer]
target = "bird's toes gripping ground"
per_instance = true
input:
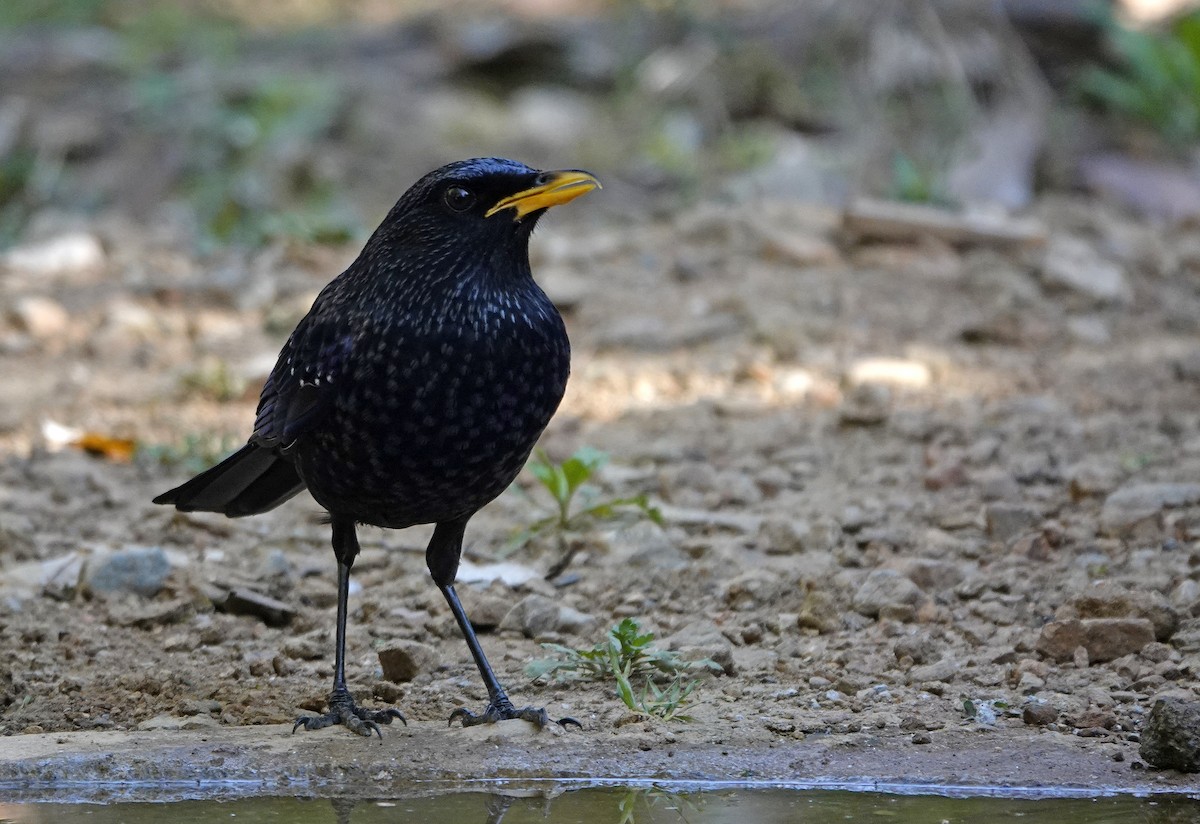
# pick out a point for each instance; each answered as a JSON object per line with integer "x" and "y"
{"x": 343, "y": 710}
{"x": 503, "y": 711}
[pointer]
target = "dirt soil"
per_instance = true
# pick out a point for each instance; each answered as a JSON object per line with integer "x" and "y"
{"x": 932, "y": 508}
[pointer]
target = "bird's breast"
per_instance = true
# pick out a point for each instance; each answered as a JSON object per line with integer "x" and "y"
{"x": 439, "y": 414}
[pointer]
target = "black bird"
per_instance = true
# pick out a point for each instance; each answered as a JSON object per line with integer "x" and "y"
{"x": 413, "y": 390}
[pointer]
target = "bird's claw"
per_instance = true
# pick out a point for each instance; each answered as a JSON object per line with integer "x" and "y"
{"x": 503, "y": 711}
{"x": 342, "y": 710}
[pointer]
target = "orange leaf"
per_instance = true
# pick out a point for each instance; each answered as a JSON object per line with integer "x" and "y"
{"x": 106, "y": 446}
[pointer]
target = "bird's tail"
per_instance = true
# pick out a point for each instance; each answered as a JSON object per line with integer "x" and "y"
{"x": 250, "y": 481}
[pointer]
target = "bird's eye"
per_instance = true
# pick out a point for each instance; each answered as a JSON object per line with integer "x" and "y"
{"x": 458, "y": 198}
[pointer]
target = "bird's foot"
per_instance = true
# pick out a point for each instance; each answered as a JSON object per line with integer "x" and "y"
{"x": 343, "y": 710}
{"x": 503, "y": 710}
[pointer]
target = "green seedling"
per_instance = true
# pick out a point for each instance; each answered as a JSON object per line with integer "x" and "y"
{"x": 913, "y": 184}
{"x": 984, "y": 712}
{"x": 1156, "y": 80}
{"x": 627, "y": 656}
{"x": 576, "y": 507}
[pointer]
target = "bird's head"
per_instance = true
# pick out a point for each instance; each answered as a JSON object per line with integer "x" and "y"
{"x": 489, "y": 202}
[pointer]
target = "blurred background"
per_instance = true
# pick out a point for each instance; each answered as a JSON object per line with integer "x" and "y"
{"x": 250, "y": 123}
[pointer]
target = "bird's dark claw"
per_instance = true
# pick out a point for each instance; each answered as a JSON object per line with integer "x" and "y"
{"x": 342, "y": 710}
{"x": 503, "y": 711}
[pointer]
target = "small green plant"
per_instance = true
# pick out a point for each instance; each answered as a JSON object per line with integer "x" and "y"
{"x": 1156, "y": 80}
{"x": 913, "y": 184}
{"x": 627, "y": 656}
{"x": 984, "y": 712}
{"x": 194, "y": 454}
{"x": 213, "y": 379}
{"x": 565, "y": 482}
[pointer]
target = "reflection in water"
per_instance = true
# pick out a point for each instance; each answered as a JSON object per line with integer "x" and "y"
{"x": 497, "y": 806}
{"x": 659, "y": 800}
{"x": 663, "y": 804}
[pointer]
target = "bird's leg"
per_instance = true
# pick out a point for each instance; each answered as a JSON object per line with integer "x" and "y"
{"x": 342, "y": 709}
{"x": 442, "y": 556}
{"x": 500, "y": 707}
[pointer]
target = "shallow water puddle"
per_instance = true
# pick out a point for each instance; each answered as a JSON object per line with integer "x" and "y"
{"x": 500, "y": 804}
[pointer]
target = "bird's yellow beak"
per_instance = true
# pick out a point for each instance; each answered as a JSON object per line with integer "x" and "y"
{"x": 557, "y": 188}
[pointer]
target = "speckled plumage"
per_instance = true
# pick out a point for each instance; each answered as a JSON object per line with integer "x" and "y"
{"x": 435, "y": 362}
{"x": 415, "y": 388}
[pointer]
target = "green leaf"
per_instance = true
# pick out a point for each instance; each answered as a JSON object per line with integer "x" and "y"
{"x": 581, "y": 466}
{"x": 541, "y": 668}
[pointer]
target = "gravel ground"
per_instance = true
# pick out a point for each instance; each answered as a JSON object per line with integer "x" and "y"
{"x": 911, "y": 492}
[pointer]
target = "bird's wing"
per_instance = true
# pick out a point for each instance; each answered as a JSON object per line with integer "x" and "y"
{"x": 302, "y": 384}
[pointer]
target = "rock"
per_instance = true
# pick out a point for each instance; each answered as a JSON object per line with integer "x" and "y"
{"x": 645, "y": 545}
{"x": 1029, "y": 683}
{"x": 58, "y": 575}
{"x": 537, "y": 615}
{"x": 702, "y": 639}
{"x": 854, "y": 518}
{"x": 1186, "y": 595}
{"x": 139, "y": 570}
{"x": 1117, "y": 602}
{"x": 242, "y": 601}
{"x": 944, "y": 473}
{"x": 1006, "y": 521}
{"x": 311, "y": 647}
{"x": 200, "y": 706}
{"x": 278, "y": 567}
{"x": 931, "y": 574}
{"x": 920, "y": 647}
{"x": 891, "y": 371}
{"x": 866, "y": 405}
{"x": 885, "y": 588}
{"x": 64, "y": 254}
{"x": 1187, "y": 636}
{"x": 485, "y": 610}
{"x": 1171, "y": 736}
{"x": 943, "y": 670}
{"x": 773, "y": 479}
{"x": 163, "y": 722}
{"x": 819, "y": 611}
{"x": 1104, "y": 639}
{"x": 404, "y": 660}
{"x": 784, "y": 536}
{"x": 738, "y": 488}
{"x": 573, "y": 621}
{"x": 1148, "y": 185}
{"x": 753, "y": 589}
{"x": 43, "y": 319}
{"x": 148, "y": 614}
{"x": 1039, "y": 714}
{"x": 754, "y": 660}
{"x": 1133, "y": 504}
{"x": 995, "y": 484}
{"x": 508, "y": 573}
{"x": 1091, "y": 479}
{"x": 1074, "y": 265}
{"x": 1060, "y": 639}
{"x": 1090, "y": 329}
{"x": 1094, "y": 718}
{"x": 795, "y": 249}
